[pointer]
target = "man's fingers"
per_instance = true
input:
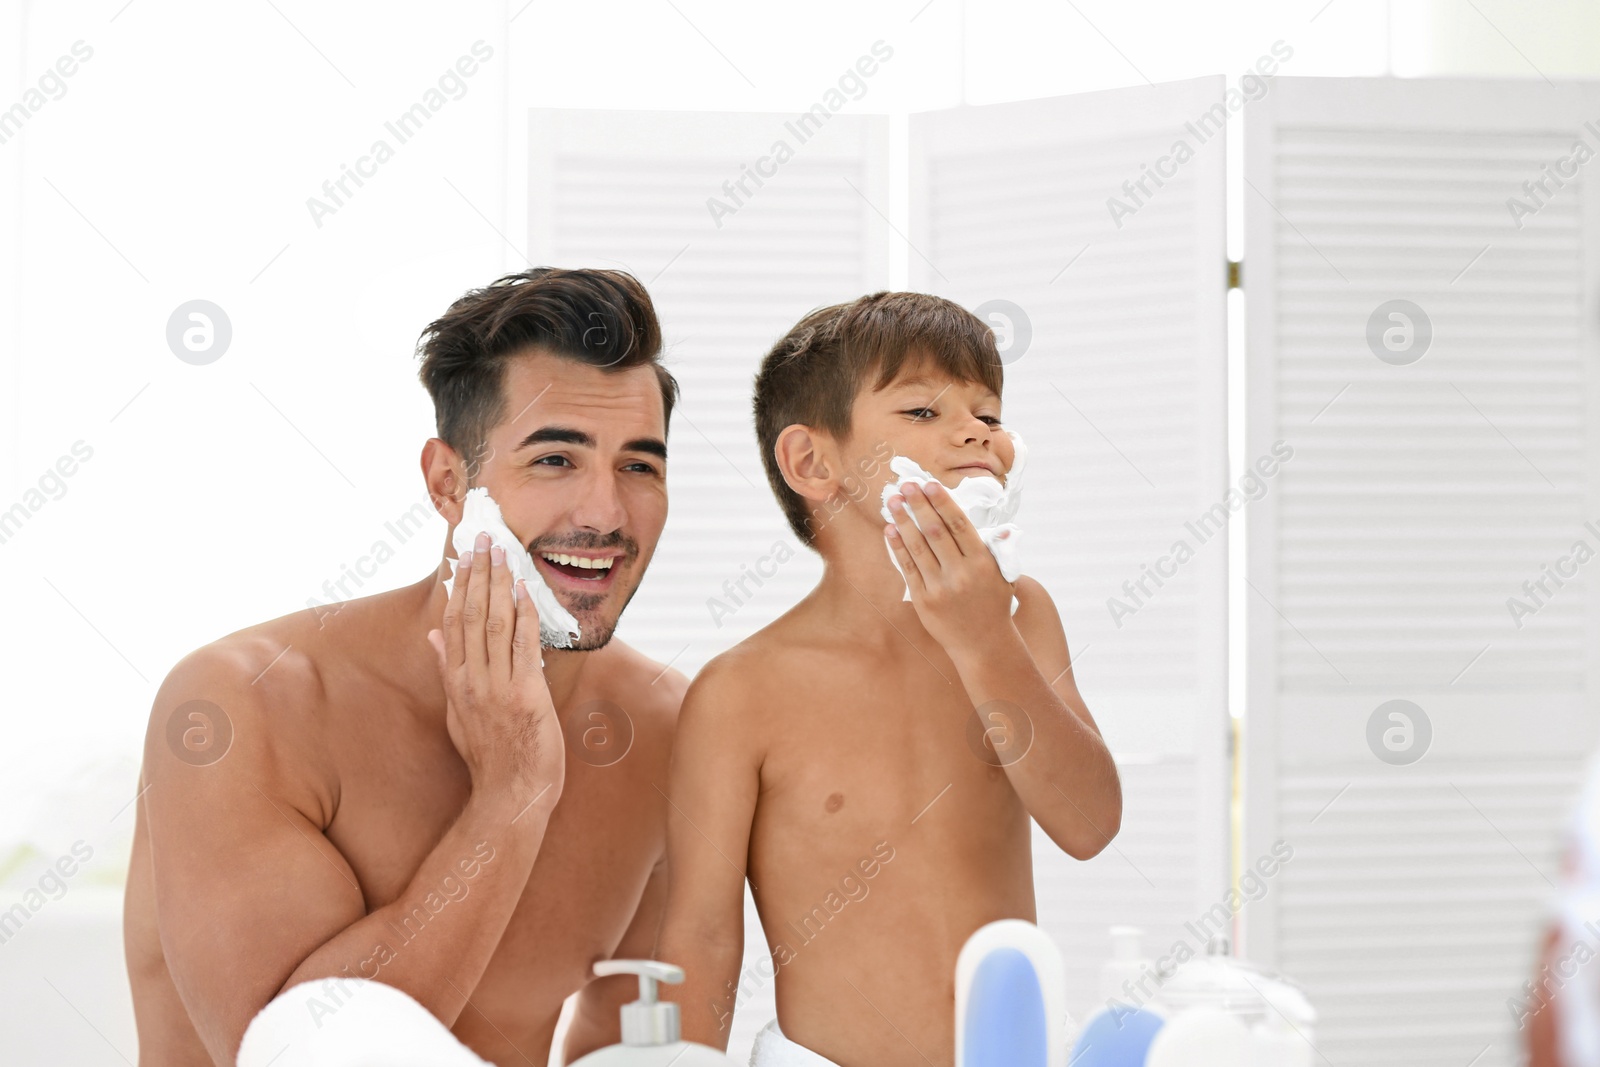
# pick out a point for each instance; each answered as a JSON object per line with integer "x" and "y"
{"x": 499, "y": 626}
{"x": 436, "y": 639}
{"x": 525, "y": 650}
{"x": 455, "y": 647}
{"x": 475, "y": 614}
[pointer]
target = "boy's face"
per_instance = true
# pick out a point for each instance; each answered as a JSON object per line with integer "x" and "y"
{"x": 951, "y": 427}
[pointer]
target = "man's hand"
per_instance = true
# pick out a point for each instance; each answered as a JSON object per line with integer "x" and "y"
{"x": 499, "y": 712}
{"x": 959, "y": 594}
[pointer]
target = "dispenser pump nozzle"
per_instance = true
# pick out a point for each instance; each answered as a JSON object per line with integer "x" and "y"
{"x": 646, "y": 1021}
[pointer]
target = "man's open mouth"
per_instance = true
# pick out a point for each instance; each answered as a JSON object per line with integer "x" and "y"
{"x": 578, "y": 570}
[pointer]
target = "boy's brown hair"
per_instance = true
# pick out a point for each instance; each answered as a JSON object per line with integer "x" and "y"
{"x": 812, "y": 375}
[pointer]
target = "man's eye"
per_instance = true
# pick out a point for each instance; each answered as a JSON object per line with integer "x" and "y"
{"x": 545, "y": 461}
{"x": 641, "y": 466}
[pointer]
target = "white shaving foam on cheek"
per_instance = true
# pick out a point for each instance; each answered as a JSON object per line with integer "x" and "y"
{"x": 479, "y": 512}
{"x": 989, "y": 505}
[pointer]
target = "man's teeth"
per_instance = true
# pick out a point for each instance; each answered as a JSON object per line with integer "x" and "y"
{"x": 603, "y": 564}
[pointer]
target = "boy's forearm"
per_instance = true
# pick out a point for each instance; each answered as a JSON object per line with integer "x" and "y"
{"x": 1056, "y": 761}
{"x": 710, "y": 985}
{"x": 587, "y": 1033}
{"x": 437, "y": 954}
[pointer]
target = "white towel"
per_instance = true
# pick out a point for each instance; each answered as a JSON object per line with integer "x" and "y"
{"x": 772, "y": 1049}
{"x": 350, "y": 1022}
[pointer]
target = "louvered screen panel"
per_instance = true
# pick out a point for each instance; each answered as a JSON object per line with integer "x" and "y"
{"x": 1121, "y": 396}
{"x": 631, "y": 190}
{"x": 1422, "y": 493}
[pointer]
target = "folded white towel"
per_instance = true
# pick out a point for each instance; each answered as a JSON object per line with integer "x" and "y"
{"x": 350, "y": 1022}
{"x": 772, "y": 1049}
{"x": 479, "y": 512}
{"x": 989, "y": 505}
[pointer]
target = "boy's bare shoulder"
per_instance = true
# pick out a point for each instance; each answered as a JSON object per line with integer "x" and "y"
{"x": 757, "y": 674}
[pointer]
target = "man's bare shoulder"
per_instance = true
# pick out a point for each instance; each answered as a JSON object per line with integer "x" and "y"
{"x": 642, "y": 685}
{"x": 254, "y": 696}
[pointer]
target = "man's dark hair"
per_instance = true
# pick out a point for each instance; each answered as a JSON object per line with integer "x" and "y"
{"x": 600, "y": 317}
{"x": 811, "y": 376}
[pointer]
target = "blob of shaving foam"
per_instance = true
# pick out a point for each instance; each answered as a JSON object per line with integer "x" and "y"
{"x": 479, "y": 512}
{"x": 989, "y": 506}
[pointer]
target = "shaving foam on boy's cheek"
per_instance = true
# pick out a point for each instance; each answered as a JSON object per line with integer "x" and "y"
{"x": 988, "y": 505}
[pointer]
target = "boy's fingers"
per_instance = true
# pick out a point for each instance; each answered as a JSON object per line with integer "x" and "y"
{"x": 908, "y": 565}
{"x": 962, "y": 532}
{"x": 915, "y": 540}
{"x": 934, "y": 530}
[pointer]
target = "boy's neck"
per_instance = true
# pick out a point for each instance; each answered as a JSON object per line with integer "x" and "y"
{"x": 860, "y": 583}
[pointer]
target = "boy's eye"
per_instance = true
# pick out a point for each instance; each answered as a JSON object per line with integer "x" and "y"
{"x": 919, "y": 413}
{"x": 991, "y": 420}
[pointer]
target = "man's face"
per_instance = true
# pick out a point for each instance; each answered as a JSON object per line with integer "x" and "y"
{"x": 950, "y": 427}
{"x": 580, "y": 473}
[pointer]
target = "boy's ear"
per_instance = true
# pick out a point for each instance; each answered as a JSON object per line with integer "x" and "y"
{"x": 808, "y": 461}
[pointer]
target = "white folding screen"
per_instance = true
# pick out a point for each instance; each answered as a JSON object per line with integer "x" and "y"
{"x": 1419, "y": 274}
{"x": 732, "y": 259}
{"x": 735, "y": 240}
{"x": 1049, "y": 207}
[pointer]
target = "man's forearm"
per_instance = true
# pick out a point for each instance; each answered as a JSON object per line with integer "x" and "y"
{"x": 435, "y": 939}
{"x": 1065, "y": 776}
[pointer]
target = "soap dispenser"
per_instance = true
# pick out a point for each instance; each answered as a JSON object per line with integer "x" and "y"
{"x": 650, "y": 1026}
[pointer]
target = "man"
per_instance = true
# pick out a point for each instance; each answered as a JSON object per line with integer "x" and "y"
{"x": 366, "y": 793}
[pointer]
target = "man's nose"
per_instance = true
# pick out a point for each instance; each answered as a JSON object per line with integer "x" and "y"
{"x": 599, "y": 504}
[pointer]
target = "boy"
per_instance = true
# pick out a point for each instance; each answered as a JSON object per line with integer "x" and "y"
{"x": 870, "y": 762}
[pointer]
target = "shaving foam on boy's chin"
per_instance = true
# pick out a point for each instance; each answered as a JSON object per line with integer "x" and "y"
{"x": 479, "y": 512}
{"x": 989, "y": 505}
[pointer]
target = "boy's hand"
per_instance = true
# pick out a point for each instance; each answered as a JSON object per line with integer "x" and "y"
{"x": 956, "y": 586}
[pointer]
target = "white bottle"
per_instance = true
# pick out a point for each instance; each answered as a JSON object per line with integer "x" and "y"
{"x": 1127, "y": 965}
{"x": 650, "y": 1026}
{"x": 1274, "y": 1043}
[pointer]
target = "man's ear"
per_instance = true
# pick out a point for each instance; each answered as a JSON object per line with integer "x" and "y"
{"x": 445, "y": 477}
{"x": 808, "y": 461}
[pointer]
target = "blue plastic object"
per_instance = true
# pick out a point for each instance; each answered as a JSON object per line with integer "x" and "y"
{"x": 1117, "y": 1037}
{"x": 1006, "y": 1024}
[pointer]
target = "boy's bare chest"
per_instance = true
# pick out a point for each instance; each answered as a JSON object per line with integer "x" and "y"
{"x": 878, "y": 744}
